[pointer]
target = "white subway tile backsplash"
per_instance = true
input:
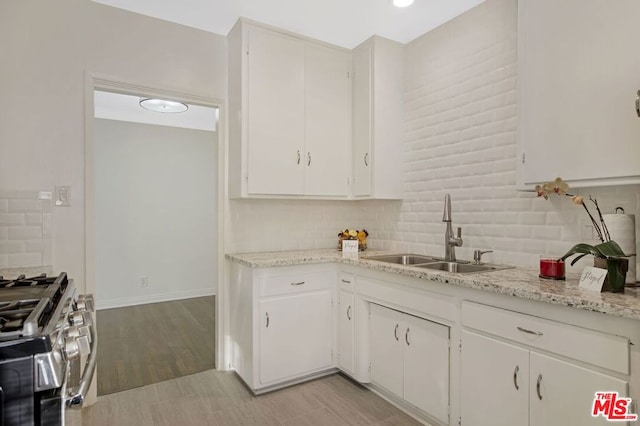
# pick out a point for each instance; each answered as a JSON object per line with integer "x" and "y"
{"x": 25, "y": 205}
{"x": 7, "y": 219}
{"x": 25, "y": 231}
{"x": 24, "y": 259}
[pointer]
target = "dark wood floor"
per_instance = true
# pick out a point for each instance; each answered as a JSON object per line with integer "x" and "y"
{"x": 145, "y": 344}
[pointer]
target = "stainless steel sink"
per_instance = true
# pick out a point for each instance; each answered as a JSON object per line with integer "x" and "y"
{"x": 403, "y": 259}
{"x": 461, "y": 268}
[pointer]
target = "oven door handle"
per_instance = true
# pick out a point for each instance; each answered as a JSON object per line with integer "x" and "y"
{"x": 77, "y": 395}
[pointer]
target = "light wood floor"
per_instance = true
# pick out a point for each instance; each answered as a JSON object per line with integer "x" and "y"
{"x": 145, "y": 344}
{"x": 219, "y": 398}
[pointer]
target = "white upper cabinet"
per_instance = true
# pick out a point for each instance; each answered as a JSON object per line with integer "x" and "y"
{"x": 290, "y": 115}
{"x": 378, "y": 96}
{"x": 327, "y": 109}
{"x": 579, "y": 74}
{"x": 275, "y": 113}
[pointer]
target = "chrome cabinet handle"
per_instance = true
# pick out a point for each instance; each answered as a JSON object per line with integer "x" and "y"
{"x": 298, "y": 162}
{"x": 524, "y": 330}
{"x": 366, "y": 159}
{"x": 349, "y": 312}
{"x": 267, "y": 315}
{"x": 345, "y": 281}
{"x": 538, "y": 386}
{"x": 406, "y": 337}
{"x": 308, "y": 158}
{"x": 395, "y": 332}
{"x": 638, "y": 103}
{"x": 515, "y": 377}
{"x": 298, "y": 283}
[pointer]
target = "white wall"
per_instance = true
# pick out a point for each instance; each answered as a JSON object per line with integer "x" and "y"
{"x": 155, "y": 192}
{"x": 47, "y": 47}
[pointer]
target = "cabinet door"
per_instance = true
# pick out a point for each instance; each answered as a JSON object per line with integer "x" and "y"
{"x": 275, "y": 107}
{"x": 562, "y": 393}
{"x": 295, "y": 335}
{"x": 327, "y": 121}
{"x": 362, "y": 121}
{"x": 578, "y": 83}
{"x": 495, "y": 382}
{"x": 345, "y": 330}
{"x": 426, "y": 366}
{"x": 386, "y": 348}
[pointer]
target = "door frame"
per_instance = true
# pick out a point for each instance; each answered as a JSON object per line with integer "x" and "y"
{"x": 100, "y": 82}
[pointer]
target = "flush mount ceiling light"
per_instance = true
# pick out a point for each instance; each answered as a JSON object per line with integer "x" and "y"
{"x": 402, "y": 3}
{"x": 161, "y": 105}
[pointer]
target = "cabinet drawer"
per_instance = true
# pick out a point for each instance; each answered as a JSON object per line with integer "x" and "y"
{"x": 295, "y": 283}
{"x": 346, "y": 281}
{"x": 593, "y": 347}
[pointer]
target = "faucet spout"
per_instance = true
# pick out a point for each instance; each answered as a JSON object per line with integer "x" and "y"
{"x": 451, "y": 241}
{"x": 446, "y": 216}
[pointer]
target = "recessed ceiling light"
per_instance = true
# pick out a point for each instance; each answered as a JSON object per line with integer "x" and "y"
{"x": 161, "y": 105}
{"x": 402, "y": 3}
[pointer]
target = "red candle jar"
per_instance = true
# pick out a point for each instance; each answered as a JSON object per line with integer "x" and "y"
{"x": 551, "y": 268}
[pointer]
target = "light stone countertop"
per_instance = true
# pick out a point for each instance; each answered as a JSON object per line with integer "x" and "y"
{"x": 518, "y": 282}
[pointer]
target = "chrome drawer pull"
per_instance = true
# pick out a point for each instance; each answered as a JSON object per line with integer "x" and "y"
{"x": 308, "y": 158}
{"x": 349, "y": 312}
{"x": 395, "y": 332}
{"x": 267, "y": 315}
{"x": 299, "y": 283}
{"x": 366, "y": 159}
{"x": 515, "y": 377}
{"x": 406, "y": 337}
{"x": 538, "y": 386}
{"x": 345, "y": 281}
{"x": 298, "y": 162}
{"x": 638, "y": 103}
{"x": 524, "y": 330}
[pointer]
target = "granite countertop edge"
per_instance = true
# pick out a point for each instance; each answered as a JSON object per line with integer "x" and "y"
{"x": 517, "y": 282}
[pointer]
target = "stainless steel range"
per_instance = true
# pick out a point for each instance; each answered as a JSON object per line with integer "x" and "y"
{"x": 48, "y": 349}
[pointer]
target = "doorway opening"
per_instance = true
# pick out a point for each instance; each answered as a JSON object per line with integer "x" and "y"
{"x": 155, "y": 230}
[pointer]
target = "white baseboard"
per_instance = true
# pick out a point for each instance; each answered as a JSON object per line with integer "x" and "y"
{"x": 153, "y": 298}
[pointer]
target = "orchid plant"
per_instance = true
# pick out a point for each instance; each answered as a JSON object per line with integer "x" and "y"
{"x": 607, "y": 248}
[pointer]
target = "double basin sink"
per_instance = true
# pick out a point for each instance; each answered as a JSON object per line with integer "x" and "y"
{"x": 435, "y": 263}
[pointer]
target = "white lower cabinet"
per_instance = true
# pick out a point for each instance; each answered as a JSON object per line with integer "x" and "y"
{"x": 495, "y": 382}
{"x": 514, "y": 383}
{"x": 295, "y": 336}
{"x": 410, "y": 358}
{"x": 281, "y": 324}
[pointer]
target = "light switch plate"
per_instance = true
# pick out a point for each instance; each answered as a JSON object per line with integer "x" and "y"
{"x": 62, "y": 196}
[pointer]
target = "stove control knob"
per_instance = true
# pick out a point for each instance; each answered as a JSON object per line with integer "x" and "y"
{"x": 77, "y": 331}
{"x": 85, "y": 302}
{"x": 81, "y": 318}
{"x": 76, "y": 347}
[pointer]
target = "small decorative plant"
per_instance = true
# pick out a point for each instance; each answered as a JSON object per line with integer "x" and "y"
{"x": 354, "y": 234}
{"x": 608, "y": 250}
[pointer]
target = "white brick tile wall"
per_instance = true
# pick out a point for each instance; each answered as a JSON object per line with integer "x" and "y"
{"x": 25, "y": 231}
{"x": 459, "y": 137}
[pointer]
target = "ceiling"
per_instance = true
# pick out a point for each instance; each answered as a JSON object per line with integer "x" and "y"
{"x": 345, "y": 23}
{"x": 115, "y": 106}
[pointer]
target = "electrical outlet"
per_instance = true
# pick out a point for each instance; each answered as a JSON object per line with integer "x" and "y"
{"x": 144, "y": 281}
